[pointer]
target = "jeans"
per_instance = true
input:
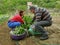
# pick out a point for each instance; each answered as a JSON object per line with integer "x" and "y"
{"x": 13, "y": 24}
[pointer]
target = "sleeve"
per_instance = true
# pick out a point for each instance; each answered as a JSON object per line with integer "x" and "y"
{"x": 33, "y": 19}
{"x": 38, "y": 16}
{"x": 20, "y": 19}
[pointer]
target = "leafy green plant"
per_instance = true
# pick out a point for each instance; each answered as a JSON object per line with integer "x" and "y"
{"x": 27, "y": 20}
{"x": 21, "y": 29}
{"x": 3, "y": 19}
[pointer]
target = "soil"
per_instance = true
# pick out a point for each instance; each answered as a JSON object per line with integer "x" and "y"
{"x": 54, "y": 35}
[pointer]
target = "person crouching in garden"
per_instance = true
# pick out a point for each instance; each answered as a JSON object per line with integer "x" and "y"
{"x": 16, "y": 20}
{"x": 41, "y": 19}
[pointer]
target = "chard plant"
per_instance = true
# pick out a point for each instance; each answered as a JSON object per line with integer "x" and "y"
{"x": 19, "y": 30}
{"x": 27, "y": 20}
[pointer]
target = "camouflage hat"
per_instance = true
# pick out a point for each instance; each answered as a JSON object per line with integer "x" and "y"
{"x": 32, "y": 7}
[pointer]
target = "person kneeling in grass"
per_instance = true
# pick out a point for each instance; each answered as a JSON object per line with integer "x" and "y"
{"x": 41, "y": 19}
{"x": 16, "y": 20}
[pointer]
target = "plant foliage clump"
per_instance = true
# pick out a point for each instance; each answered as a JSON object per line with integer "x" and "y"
{"x": 21, "y": 29}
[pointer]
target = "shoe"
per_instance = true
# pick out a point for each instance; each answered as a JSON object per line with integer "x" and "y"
{"x": 44, "y": 37}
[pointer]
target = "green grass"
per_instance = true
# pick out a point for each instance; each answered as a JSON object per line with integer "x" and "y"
{"x": 3, "y": 18}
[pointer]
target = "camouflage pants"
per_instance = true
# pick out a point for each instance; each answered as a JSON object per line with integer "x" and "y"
{"x": 39, "y": 26}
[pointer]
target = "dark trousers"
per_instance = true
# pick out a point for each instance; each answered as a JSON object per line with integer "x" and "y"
{"x": 39, "y": 26}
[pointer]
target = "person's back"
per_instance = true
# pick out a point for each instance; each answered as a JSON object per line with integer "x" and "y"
{"x": 42, "y": 14}
{"x": 17, "y": 18}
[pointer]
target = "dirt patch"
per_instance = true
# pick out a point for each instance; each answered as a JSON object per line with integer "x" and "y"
{"x": 54, "y": 35}
{"x": 4, "y": 35}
